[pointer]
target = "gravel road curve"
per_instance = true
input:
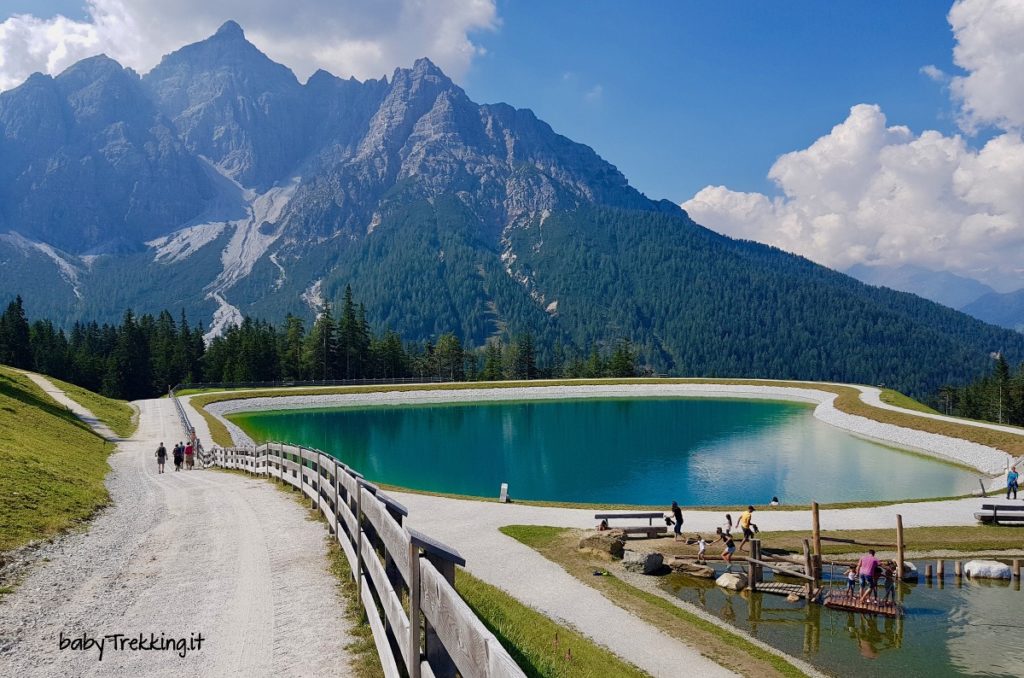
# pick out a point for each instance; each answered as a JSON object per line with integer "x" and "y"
{"x": 180, "y": 554}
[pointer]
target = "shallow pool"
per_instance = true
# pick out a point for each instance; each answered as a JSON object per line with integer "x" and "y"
{"x": 973, "y": 628}
{"x": 697, "y": 451}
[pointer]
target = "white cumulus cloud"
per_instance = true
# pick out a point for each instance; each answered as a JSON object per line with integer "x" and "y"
{"x": 346, "y": 37}
{"x": 878, "y": 194}
{"x": 990, "y": 47}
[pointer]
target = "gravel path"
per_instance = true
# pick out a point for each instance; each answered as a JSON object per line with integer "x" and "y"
{"x": 472, "y": 528}
{"x": 180, "y": 554}
{"x": 80, "y": 411}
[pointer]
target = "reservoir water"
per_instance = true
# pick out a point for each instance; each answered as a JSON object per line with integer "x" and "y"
{"x": 698, "y": 451}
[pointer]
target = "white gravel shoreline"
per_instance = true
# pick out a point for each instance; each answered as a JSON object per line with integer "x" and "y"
{"x": 986, "y": 459}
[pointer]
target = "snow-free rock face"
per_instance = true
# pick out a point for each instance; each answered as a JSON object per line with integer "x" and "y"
{"x": 87, "y": 163}
{"x": 233, "y": 105}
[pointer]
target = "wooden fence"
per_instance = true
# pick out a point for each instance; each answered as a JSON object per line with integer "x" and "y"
{"x": 404, "y": 579}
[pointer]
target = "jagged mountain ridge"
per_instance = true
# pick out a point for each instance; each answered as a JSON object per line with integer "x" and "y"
{"x": 220, "y": 183}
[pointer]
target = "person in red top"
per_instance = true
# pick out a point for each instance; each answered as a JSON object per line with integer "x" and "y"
{"x": 866, "y": 566}
{"x": 189, "y": 458}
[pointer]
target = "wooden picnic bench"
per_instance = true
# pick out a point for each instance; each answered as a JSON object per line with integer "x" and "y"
{"x": 1001, "y": 513}
{"x": 650, "y": 529}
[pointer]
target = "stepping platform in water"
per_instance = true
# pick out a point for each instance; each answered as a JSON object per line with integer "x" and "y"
{"x": 844, "y": 601}
{"x": 781, "y": 589}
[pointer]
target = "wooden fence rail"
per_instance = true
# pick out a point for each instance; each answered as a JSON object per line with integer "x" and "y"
{"x": 404, "y": 579}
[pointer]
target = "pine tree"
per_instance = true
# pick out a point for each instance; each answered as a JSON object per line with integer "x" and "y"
{"x": 524, "y": 364}
{"x": 623, "y": 361}
{"x": 291, "y": 348}
{"x": 322, "y": 348}
{"x": 493, "y": 368}
{"x": 449, "y": 357}
{"x": 15, "y": 336}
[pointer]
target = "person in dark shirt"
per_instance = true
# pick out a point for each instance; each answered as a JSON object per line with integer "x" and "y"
{"x": 161, "y": 457}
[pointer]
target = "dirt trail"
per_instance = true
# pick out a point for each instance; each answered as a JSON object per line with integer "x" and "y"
{"x": 180, "y": 554}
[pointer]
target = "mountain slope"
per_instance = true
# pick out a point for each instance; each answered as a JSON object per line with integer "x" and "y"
{"x": 941, "y": 287}
{"x": 88, "y": 164}
{"x": 1005, "y": 310}
{"x": 220, "y": 184}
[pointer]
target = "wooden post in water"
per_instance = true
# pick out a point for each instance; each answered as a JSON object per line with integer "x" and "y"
{"x": 752, "y": 568}
{"x": 928, "y": 572}
{"x": 809, "y": 569}
{"x": 899, "y": 547}
{"x": 958, "y": 569}
{"x": 816, "y": 535}
{"x": 1016, "y": 568}
{"x": 940, "y": 567}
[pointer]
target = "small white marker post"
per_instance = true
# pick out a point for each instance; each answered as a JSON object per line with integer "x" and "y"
{"x": 503, "y": 495}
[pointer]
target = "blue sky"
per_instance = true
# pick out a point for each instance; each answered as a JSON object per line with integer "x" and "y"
{"x": 696, "y": 93}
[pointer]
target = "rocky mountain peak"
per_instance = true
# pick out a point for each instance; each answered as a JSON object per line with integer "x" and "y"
{"x": 230, "y": 30}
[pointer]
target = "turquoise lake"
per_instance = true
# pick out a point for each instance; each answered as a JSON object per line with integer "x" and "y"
{"x": 631, "y": 450}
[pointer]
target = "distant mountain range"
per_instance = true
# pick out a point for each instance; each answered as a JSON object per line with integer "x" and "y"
{"x": 964, "y": 294}
{"x": 220, "y": 184}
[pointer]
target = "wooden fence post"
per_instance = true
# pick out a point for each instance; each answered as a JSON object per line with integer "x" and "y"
{"x": 437, "y": 656}
{"x": 899, "y": 546}
{"x": 315, "y": 503}
{"x": 414, "y": 611}
{"x": 359, "y": 542}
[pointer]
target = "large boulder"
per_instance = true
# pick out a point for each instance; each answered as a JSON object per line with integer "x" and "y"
{"x": 986, "y": 569}
{"x": 646, "y": 563}
{"x": 691, "y": 568}
{"x": 734, "y": 581}
{"x": 910, "y": 572}
{"x": 611, "y": 542}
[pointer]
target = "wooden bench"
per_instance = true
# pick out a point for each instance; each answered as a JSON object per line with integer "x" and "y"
{"x": 1001, "y": 513}
{"x": 650, "y": 529}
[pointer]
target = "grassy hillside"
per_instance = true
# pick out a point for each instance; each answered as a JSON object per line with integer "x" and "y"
{"x": 53, "y": 464}
{"x": 117, "y": 414}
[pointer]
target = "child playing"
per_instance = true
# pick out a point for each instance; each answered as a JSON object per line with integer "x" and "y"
{"x": 851, "y": 580}
{"x": 702, "y": 547}
{"x": 889, "y": 578}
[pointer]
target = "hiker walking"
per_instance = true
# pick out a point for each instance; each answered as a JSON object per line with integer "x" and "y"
{"x": 1012, "y": 478}
{"x": 189, "y": 456}
{"x": 747, "y": 526}
{"x": 161, "y": 457}
{"x": 866, "y": 567}
{"x": 179, "y": 456}
{"x": 677, "y": 521}
{"x": 727, "y": 528}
